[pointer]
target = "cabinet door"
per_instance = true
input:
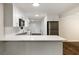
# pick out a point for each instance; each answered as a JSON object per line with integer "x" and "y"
{"x": 52, "y": 28}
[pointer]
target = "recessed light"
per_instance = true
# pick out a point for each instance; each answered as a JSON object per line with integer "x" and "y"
{"x": 35, "y": 4}
{"x": 36, "y": 15}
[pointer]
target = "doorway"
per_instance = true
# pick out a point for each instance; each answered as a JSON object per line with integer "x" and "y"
{"x": 53, "y": 28}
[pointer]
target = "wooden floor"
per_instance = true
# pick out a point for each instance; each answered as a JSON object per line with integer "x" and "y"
{"x": 71, "y": 48}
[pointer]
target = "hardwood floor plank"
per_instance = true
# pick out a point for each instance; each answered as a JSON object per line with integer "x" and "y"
{"x": 71, "y": 48}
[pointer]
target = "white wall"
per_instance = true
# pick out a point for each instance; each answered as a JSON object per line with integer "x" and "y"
{"x": 17, "y": 13}
{"x": 52, "y": 18}
{"x": 44, "y": 26}
{"x": 69, "y": 24}
{"x": 8, "y": 15}
{"x": 1, "y": 22}
{"x": 8, "y": 18}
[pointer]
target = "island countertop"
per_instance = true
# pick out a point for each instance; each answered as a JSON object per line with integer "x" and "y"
{"x": 32, "y": 38}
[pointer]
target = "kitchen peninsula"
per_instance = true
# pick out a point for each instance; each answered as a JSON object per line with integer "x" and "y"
{"x": 33, "y": 44}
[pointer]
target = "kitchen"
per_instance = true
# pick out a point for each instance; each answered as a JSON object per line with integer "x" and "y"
{"x": 33, "y": 30}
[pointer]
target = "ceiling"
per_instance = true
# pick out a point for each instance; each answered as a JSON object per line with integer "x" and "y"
{"x": 45, "y": 8}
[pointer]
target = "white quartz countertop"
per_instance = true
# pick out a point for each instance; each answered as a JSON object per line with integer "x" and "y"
{"x": 32, "y": 38}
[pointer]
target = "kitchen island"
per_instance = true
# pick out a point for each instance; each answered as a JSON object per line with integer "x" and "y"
{"x": 33, "y": 45}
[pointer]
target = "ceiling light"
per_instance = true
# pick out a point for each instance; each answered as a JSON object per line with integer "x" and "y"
{"x": 36, "y": 15}
{"x": 35, "y": 4}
